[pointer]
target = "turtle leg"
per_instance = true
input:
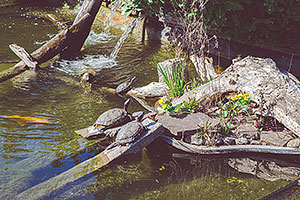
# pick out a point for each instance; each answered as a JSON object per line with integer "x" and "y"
{"x": 94, "y": 132}
{"x": 112, "y": 145}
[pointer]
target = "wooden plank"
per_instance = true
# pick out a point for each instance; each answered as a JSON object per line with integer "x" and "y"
{"x": 43, "y": 190}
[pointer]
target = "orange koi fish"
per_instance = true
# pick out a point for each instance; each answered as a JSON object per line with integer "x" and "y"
{"x": 22, "y": 120}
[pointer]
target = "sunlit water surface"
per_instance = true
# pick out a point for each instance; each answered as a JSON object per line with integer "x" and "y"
{"x": 33, "y": 153}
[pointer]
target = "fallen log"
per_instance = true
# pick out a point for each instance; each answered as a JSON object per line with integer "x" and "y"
{"x": 276, "y": 92}
{"x": 220, "y": 150}
{"x": 91, "y": 7}
{"x": 48, "y": 50}
{"x": 67, "y": 43}
{"x": 44, "y": 190}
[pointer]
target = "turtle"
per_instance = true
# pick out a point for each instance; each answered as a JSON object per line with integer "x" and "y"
{"x": 129, "y": 132}
{"x": 123, "y": 88}
{"x": 109, "y": 119}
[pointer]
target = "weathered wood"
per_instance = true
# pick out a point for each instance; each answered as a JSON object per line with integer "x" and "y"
{"x": 213, "y": 150}
{"x": 48, "y": 50}
{"x": 154, "y": 89}
{"x": 43, "y": 190}
{"x": 278, "y": 95}
{"x": 202, "y": 67}
{"x": 25, "y": 56}
{"x": 90, "y": 7}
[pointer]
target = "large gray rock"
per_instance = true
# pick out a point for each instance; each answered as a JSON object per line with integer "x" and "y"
{"x": 185, "y": 123}
{"x": 264, "y": 169}
{"x": 276, "y": 138}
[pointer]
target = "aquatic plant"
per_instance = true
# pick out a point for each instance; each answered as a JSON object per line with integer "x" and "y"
{"x": 236, "y": 104}
{"x": 174, "y": 78}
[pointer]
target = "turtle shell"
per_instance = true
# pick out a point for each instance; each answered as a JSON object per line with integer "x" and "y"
{"x": 112, "y": 117}
{"x": 129, "y": 132}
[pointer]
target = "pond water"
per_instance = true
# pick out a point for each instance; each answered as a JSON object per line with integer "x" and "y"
{"x": 33, "y": 153}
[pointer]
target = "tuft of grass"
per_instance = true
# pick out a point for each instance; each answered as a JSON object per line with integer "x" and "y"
{"x": 174, "y": 78}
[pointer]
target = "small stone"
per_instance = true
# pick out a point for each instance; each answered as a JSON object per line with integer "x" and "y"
{"x": 242, "y": 141}
{"x": 255, "y": 142}
{"x": 294, "y": 143}
{"x": 230, "y": 140}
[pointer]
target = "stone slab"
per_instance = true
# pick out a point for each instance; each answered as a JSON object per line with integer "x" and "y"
{"x": 182, "y": 123}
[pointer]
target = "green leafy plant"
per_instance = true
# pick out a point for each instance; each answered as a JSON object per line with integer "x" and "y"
{"x": 174, "y": 78}
{"x": 252, "y": 20}
{"x": 145, "y": 7}
{"x": 204, "y": 130}
{"x": 205, "y": 133}
{"x": 238, "y": 103}
{"x": 191, "y": 106}
{"x": 167, "y": 105}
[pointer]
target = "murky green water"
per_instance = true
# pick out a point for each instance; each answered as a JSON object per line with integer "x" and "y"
{"x": 31, "y": 154}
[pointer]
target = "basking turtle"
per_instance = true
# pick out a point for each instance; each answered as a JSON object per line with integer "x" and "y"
{"x": 129, "y": 132}
{"x": 111, "y": 118}
{"x": 123, "y": 88}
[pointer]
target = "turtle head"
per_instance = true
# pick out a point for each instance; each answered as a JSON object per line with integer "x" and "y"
{"x": 126, "y": 104}
{"x": 133, "y": 79}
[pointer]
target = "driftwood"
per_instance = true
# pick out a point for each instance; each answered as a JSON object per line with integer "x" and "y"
{"x": 61, "y": 42}
{"x": 44, "y": 190}
{"x": 276, "y": 92}
{"x": 214, "y": 150}
{"x": 153, "y": 89}
{"x": 25, "y": 56}
{"x": 202, "y": 67}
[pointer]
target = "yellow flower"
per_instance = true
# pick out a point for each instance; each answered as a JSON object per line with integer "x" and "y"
{"x": 246, "y": 96}
{"x": 239, "y": 181}
{"x": 161, "y": 100}
{"x": 235, "y": 97}
{"x": 199, "y": 106}
{"x": 162, "y": 168}
{"x": 164, "y": 106}
{"x": 195, "y": 93}
{"x": 229, "y": 180}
